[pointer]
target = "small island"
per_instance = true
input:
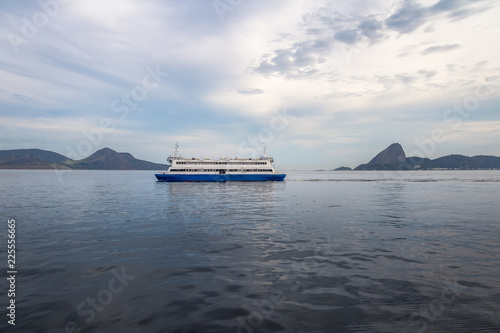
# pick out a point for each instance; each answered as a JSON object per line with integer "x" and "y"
{"x": 343, "y": 168}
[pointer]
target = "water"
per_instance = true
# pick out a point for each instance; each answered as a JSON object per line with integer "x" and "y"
{"x": 115, "y": 251}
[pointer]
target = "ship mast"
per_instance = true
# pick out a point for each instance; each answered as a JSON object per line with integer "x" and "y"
{"x": 176, "y": 153}
{"x": 264, "y": 154}
{"x": 176, "y": 150}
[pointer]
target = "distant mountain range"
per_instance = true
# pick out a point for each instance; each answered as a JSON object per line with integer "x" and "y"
{"x": 394, "y": 158}
{"x": 104, "y": 159}
{"x": 391, "y": 158}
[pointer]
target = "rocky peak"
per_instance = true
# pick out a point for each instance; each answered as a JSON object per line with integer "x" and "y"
{"x": 394, "y": 154}
{"x": 388, "y": 159}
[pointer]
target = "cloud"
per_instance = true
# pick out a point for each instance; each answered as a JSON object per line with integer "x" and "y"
{"x": 299, "y": 61}
{"x": 447, "y": 5}
{"x": 60, "y": 125}
{"x": 346, "y": 36}
{"x": 430, "y": 28}
{"x": 328, "y": 34}
{"x": 304, "y": 59}
{"x": 411, "y": 15}
{"x": 408, "y": 18}
{"x": 339, "y": 94}
{"x": 440, "y": 48}
{"x": 372, "y": 29}
{"x": 492, "y": 78}
{"x": 451, "y": 67}
{"x": 314, "y": 31}
{"x": 251, "y": 91}
{"x": 482, "y": 63}
{"x": 427, "y": 74}
{"x": 405, "y": 78}
{"x": 23, "y": 98}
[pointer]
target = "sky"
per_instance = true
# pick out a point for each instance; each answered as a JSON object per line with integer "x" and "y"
{"x": 321, "y": 84}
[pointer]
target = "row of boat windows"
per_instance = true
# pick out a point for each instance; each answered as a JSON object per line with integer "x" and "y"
{"x": 235, "y": 163}
{"x": 219, "y": 170}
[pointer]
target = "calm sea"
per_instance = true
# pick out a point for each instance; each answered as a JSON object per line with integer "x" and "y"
{"x": 116, "y": 251}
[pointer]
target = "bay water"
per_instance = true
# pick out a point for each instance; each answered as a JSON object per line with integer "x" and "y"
{"x": 323, "y": 251}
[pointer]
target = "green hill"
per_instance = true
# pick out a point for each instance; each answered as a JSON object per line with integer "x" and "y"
{"x": 32, "y": 159}
{"x": 104, "y": 159}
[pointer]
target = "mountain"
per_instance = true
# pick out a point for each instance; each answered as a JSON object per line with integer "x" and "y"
{"x": 394, "y": 158}
{"x": 142, "y": 165}
{"x": 487, "y": 162}
{"x": 455, "y": 162}
{"x": 32, "y": 159}
{"x": 388, "y": 159}
{"x": 104, "y": 159}
{"x": 458, "y": 162}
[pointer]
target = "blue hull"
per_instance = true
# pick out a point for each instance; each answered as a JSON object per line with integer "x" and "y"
{"x": 218, "y": 178}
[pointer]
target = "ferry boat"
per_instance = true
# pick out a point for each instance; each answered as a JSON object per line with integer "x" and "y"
{"x": 224, "y": 169}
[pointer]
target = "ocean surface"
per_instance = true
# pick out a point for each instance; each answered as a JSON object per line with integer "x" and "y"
{"x": 116, "y": 251}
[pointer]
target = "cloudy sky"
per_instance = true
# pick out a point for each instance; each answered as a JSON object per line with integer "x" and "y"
{"x": 322, "y": 83}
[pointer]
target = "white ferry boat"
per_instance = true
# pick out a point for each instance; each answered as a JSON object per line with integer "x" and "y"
{"x": 224, "y": 169}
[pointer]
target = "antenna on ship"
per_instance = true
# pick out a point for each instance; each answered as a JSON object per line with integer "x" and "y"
{"x": 264, "y": 155}
{"x": 171, "y": 158}
{"x": 176, "y": 151}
